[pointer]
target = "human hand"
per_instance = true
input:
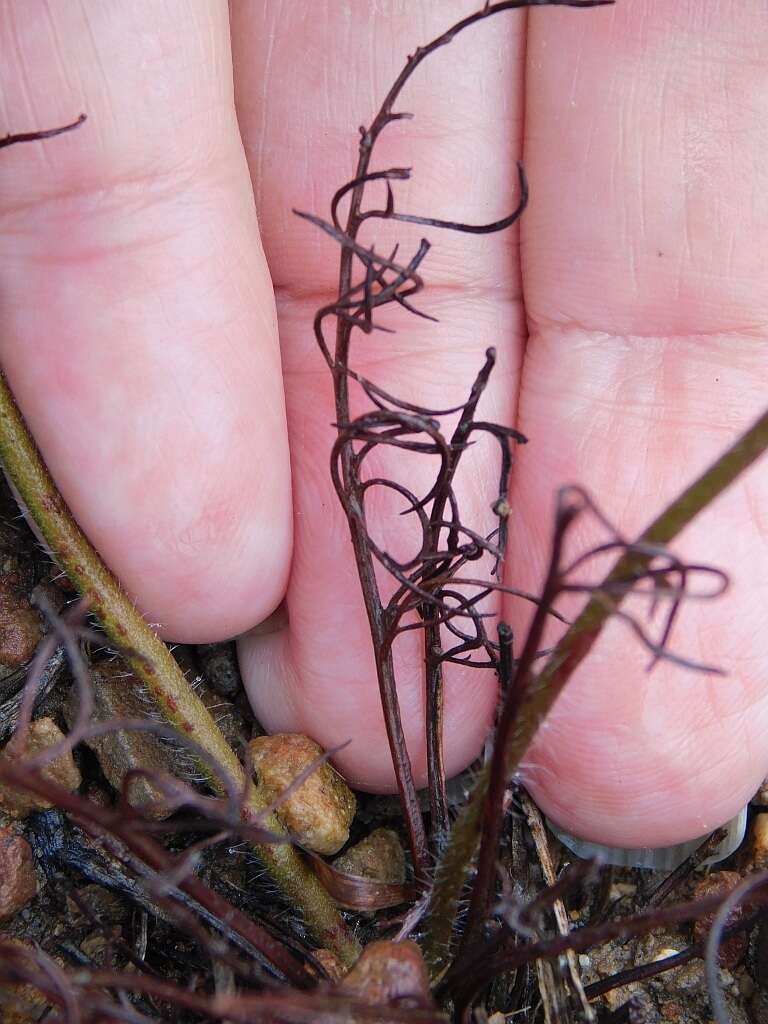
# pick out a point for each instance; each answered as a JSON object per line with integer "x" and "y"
{"x": 137, "y": 330}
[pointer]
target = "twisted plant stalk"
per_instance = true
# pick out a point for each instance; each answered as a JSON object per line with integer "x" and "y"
{"x": 152, "y": 663}
{"x": 536, "y": 694}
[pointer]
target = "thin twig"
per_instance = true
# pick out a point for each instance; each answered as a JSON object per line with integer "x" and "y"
{"x": 543, "y": 689}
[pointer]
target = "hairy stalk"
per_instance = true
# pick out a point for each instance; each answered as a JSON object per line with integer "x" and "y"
{"x": 152, "y": 663}
{"x": 540, "y": 691}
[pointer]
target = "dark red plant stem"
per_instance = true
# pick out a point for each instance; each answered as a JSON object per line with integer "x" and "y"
{"x": 438, "y": 798}
{"x": 48, "y": 133}
{"x": 467, "y": 978}
{"x": 104, "y": 820}
{"x": 682, "y": 871}
{"x": 516, "y": 690}
{"x": 429, "y": 613}
{"x": 641, "y": 972}
{"x": 352, "y": 491}
{"x": 243, "y": 1008}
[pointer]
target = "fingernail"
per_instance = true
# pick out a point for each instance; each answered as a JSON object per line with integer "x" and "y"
{"x": 663, "y": 858}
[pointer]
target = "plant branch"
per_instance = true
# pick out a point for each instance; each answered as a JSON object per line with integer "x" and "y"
{"x": 352, "y": 309}
{"x": 532, "y": 696}
{"x": 152, "y": 663}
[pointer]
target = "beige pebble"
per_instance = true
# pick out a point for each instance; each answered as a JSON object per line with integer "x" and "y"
{"x": 760, "y": 841}
{"x": 321, "y": 810}
{"x": 20, "y": 624}
{"x": 43, "y": 733}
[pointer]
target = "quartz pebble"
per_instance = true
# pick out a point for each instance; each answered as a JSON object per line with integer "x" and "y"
{"x": 321, "y": 810}
{"x": 43, "y": 733}
{"x": 18, "y": 882}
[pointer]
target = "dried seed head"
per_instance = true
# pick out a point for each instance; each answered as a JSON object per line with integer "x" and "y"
{"x": 43, "y": 733}
{"x": 321, "y": 810}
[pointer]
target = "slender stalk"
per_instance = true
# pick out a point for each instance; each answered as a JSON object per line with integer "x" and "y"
{"x": 152, "y": 663}
{"x": 541, "y": 691}
{"x": 465, "y": 980}
{"x": 351, "y": 492}
{"x": 107, "y": 821}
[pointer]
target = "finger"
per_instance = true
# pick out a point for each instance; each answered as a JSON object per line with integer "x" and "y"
{"x": 644, "y": 258}
{"x": 137, "y": 326}
{"x": 304, "y": 80}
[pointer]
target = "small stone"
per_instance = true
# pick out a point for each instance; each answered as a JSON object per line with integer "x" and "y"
{"x": 761, "y": 796}
{"x": 672, "y": 1011}
{"x": 760, "y": 841}
{"x": 379, "y": 857}
{"x": 665, "y": 954}
{"x": 20, "y": 624}
{"x": 389, "y": 972}
{"x": 43, "y": 733}
{"x": 733, "y": 949}
{"x": 18, "y": 882}
{"x": 115, "y": 695}
{"x": 321, "y": 810}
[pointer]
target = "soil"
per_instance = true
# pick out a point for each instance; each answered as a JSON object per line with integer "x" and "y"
{"x": 90, "y": 911}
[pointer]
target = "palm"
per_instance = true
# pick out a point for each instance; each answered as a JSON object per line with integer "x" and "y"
{"x": 137, "y": 333}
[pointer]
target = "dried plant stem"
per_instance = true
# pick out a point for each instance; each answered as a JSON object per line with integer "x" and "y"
{"x": 535, "y": 696}
{"x": 486, "y": 961}
{"x": 152, "y": 663}
{"x": 111, "y": 822}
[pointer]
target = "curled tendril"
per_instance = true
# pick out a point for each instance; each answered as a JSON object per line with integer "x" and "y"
{"x": 429, "y": 594}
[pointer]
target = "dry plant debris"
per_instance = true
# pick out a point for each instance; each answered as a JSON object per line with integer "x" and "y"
{"x": 140, "y": 916}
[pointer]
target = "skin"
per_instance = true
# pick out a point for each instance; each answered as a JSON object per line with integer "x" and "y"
{"x": 155, "y": 324}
